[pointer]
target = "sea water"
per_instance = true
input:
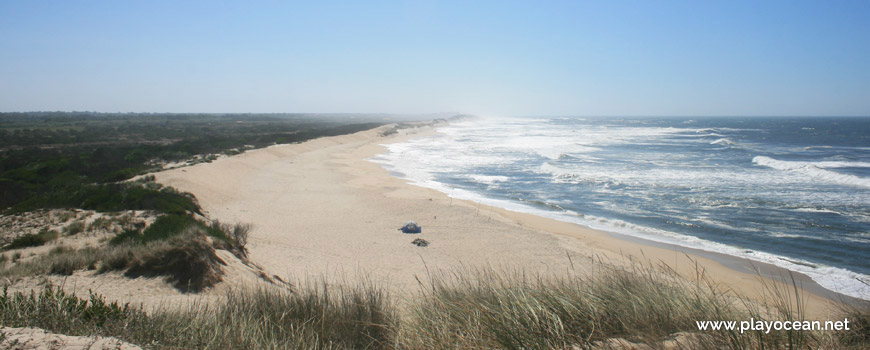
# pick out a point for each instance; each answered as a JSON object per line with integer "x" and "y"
{"x": 793, "y": 192}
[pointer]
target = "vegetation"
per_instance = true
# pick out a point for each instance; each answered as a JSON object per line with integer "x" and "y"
{"x": 176, "y": 248}
{"x": 75, "y": 228}
{"x": 31, "y": 240}
{"x": 103, "y": 223}
{"x": 84, "y": 160}
{"x": 26, "y": 240}
{"x": 73, "y": 160}
{"x": 166, "y": 226}
{"x": 489, "y": 310}
{"x": 320, "y": 318}
{"x": 187, "y": 261}
{"x": 466, "y": 310}
{"x": 54, "y": 309}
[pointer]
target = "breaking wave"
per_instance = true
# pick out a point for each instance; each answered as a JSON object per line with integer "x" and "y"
{"x": 660, "y": 180}
{"x": 816, "y": 170}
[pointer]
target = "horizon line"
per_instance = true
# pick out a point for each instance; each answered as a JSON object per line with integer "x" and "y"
{"x": 464, "y": 113}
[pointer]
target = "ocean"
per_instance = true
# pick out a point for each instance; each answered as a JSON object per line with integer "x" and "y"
{"x": 789, "y": 191}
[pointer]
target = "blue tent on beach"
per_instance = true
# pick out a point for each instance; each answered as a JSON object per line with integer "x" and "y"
{"x": 411, "y": 227}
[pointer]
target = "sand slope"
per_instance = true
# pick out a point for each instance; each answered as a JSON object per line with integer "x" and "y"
{"x": 38, "y": 339}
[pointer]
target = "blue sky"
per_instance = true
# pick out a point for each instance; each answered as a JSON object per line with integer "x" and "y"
{"x": 498, "y": 58}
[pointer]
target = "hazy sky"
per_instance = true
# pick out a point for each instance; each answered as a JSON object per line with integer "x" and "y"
{"x": 500, "y": 57}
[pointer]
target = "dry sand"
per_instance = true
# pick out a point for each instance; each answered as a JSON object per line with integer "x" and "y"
{"x": 320, "y": 208}
{"x": 38, "y": 339}
{"x": 150, "y": 293}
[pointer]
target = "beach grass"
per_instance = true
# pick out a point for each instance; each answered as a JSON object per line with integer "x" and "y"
{"x": 181, "y": 250}
{"x": 467, "y": 309}
{"x": 511, "y": 310}
{"x": 32, "y": 240}
{"x": 317, "y": 317}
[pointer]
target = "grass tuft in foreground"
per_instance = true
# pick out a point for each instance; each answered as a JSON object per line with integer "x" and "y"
{"x": 54, "y": 310}
{"x": 480, "y": 309}
{"x": 484, "y": 309}
{"x": 316, "y": 318}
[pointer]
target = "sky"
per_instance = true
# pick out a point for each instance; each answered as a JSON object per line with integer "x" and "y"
{"x": 510, "y": 58}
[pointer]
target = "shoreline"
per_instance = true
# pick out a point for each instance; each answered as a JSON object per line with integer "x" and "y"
{"x": 734, "y": 260}
{"x": 335, "y": 213}
{"x": 746, "y": 265}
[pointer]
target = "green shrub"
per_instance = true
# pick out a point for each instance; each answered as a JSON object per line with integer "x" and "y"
{"x": 102, "y": 223}
{"x": 60, "y": 249}
{"x": 217, "y": 230}
{"x": 75, "y": 228}
{"x": 187, "y": 261}
{"x": 48, "y": 235}
{"x": 65, "y": 216}
{"x": 121, "y": 174}
{"x": 54, "y": 310}
{"x": 119, "y": 197}
{"x": 167, "y": 226}
{"x": 25, "y": 241}
{"x": 32, "y": 240}
{"x": 96, "y": 150}
{"x": 128, "y": 236}
{"x": 109, "y": 198}
{"x": 66, "y": 264}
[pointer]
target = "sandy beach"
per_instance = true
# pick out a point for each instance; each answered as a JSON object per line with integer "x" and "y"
{"x": 321, "y": 209}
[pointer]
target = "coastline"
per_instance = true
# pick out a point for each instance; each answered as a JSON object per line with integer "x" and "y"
{"x": 321, "y": 208}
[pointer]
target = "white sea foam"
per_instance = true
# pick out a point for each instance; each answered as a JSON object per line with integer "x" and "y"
{"x": 814, "y": 170}
{"x": 836, "y": 279}
{"x": 489, "y": 179}
{"x": 835, "y": 164}
{"x": 817, "y": 210}
{"x": 855, "y": 239}
{"x": 661, "y": 176}
{"x": 723, "y": 141}
{"x": 789, "y": 235}
{"x": 460, "y": 148}
{"x": 722, "y": 225}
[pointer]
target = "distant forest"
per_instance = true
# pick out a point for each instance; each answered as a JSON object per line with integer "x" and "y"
{"x": 79, "y": 159}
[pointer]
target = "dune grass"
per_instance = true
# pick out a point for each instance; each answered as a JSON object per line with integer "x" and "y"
{"x": 185, "y": 257}
{"x": 648, "y": 305}
{"x": 510, "y": 310}
{"x": 75, "y": 228}
{"x": 318, "y": 317}
{"x": 468, "y": 309}
{"x": 187, "y": 261}
{"x": 225, "y": 236}
{"x": 32, "y": 240}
